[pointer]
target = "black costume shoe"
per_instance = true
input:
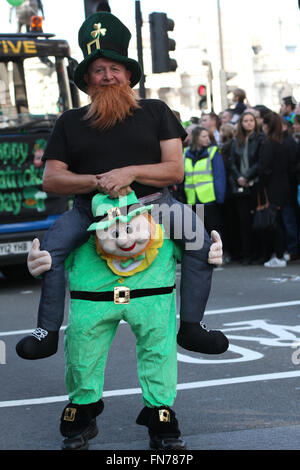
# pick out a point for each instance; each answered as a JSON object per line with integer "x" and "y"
{"x": 39, "y": 344}
{"x": 162, "y": 427}
{"x": 196, "y": 337}
{"x": 78, "y": 424}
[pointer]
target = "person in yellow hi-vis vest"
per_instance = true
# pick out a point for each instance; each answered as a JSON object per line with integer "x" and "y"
{"x": 205, "y": 177}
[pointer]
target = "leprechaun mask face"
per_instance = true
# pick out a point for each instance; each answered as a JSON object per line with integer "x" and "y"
{"x": 126, "y": 239}
{"x": 126, "y": 235}
{"x": 130, "y": 247}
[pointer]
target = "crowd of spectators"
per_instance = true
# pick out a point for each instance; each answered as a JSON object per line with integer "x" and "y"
{"x": 259, "y": 165}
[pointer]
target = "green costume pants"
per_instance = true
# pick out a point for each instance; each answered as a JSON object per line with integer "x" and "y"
{"x": 91, "y": 329}
{"x": 92, "y": 326}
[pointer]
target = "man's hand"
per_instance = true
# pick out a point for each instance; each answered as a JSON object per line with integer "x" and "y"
{"x": 38, "y": 261}
{"x": 116, "y": 182}
{"x": 215, "y": 255}
{"x": 121, "y": 192}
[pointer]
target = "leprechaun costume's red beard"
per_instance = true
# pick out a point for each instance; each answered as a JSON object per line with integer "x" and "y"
{"x": 110, "y": 104}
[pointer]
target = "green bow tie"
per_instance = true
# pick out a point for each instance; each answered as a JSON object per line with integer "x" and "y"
{"x": 129, "y": 261}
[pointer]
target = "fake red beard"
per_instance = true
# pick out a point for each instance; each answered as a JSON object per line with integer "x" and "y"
{"x": 110, "y": 104}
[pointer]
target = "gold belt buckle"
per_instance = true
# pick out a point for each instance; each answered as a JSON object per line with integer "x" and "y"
{"x": 121, "y": 299}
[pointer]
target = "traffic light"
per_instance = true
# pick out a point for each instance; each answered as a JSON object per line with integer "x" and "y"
{"x": 226, "y": 88}
{"x": 161, "y": 44}
{"x": 202, "y": 92}
{"x": 92, "y": 6}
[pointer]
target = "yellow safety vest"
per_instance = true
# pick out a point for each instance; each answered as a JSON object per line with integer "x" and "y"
{"x": 198, "y": 180}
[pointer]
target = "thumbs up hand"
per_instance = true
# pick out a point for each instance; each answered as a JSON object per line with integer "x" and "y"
{"x": 38, "y": 261}
{"x": 215, "y": 255}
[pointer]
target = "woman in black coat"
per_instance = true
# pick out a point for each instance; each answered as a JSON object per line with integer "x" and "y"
{"x": 274, "y": 172}
{"x": 243, "y": 177}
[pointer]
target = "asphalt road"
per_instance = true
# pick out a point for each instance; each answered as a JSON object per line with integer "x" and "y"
{"x": 247, "y": 398}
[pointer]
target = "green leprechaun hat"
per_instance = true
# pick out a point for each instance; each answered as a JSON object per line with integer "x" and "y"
{"x": 107, "y": 210}
{"x": 104, "y": 35}
{"x": 34, "y": 198}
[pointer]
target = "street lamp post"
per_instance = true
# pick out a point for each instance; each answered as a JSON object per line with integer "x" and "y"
{"x": 139, "y": 24}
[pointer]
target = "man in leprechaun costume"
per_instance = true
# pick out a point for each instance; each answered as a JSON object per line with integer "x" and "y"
{"x": 125, "y": 272}
{"x": 115, "y": 145}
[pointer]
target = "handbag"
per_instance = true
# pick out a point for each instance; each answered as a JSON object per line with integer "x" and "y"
{"x": 265, "y": 215}
{"x": 236, "y": 189}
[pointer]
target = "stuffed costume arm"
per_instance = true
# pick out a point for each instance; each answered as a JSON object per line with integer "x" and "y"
{"x": 38, "y": 261}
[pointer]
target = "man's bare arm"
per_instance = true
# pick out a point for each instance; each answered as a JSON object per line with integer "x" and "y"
{"x": 59, "y": 180}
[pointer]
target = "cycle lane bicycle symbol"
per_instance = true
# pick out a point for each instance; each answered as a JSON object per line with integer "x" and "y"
{"x": 278, "y": 335}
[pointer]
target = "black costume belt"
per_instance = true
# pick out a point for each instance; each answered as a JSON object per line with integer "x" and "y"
{"x": 120, "y": 294}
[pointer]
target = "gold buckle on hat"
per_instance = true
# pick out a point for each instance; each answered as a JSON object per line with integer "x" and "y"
{"x": 164, "y": 416}
{"x": 70, "y": 414}
{"x": 124, "y": 299}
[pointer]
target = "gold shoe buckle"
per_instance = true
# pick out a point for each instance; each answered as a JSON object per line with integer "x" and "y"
{"x": 69, "y": 414}
{"x": 124, "y": 298}
{"x": 164, "y": 416}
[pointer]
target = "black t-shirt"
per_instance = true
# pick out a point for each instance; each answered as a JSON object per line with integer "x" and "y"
{"x": 135, "y": 141}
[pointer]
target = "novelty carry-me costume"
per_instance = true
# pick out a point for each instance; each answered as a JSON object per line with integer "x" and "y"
{"x": 134, "y": 141}
{"x": 126, "y": 272}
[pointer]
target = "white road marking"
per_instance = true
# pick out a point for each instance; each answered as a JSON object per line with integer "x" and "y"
{"x": 137, "y": 391}
{"x": 290, "y": 303}
{"x": 208, "y": 312}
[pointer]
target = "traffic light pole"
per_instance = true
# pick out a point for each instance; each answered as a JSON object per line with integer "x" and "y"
{"x": 224, "y": 102}
{"x": 139, "y": 23}
{"x": 210, "y": 81}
